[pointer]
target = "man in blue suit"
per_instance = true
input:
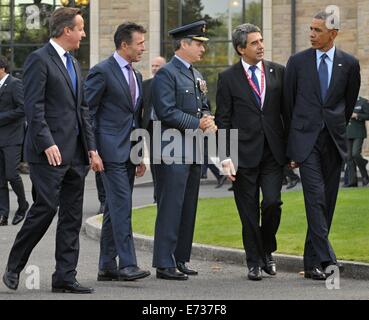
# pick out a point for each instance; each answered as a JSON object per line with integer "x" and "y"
{"x": 178, "y": 96}
{"x": 113, "y": 92}
{"x": 321, "y": 87}
{"x": 59, "y": 146}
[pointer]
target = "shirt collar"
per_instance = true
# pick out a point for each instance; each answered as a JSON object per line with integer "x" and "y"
{"x": 187, "y": 65}
{"x": 58, "y": 48}
{"x": 121, "y": 61}
{"x": 2, "y": 81}
{"x": 329, "y": 53}
{"x": 246, "y": 66}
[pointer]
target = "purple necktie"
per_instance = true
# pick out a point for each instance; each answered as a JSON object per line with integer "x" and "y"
{"x": 132, "y": 84}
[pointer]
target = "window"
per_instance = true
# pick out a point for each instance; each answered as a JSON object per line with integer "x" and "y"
{"x": 24, "y": 27}
{"x": 222, "y": 17}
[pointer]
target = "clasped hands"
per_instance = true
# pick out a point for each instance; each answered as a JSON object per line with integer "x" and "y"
{"x": 207, "y": 124}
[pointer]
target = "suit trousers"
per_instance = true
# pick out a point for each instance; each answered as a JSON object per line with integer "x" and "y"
{"x": 62, "y": 187}
{"x": 320, "y": 175}
{"x": 116, "y": 234}
{"x": 177, "y": 195}
{"x": 10, "y": 157}
{"x": 259, "y": 239}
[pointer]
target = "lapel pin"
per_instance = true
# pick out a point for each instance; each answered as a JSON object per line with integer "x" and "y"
{"x": 271, "y": 70}
{"x": 340, "y": 64}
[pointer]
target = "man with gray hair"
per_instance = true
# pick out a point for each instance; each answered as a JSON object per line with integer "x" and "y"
{"x": 320, "y": 89}
{"x": 249, "y": 99}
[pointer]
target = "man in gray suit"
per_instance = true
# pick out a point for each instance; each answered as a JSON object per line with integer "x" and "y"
{"x": 12, "y": 123}
{"x": 113, "y": 91}
{"x": 178, "y": 96}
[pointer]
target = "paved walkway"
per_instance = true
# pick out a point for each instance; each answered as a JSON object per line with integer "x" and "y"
{"x": 215, "y": 280}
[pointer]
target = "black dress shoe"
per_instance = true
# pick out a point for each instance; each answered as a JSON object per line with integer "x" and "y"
{"x": 108, "y": 275}
{"x": 72, "y": 288}
{"x": 350, "y": 185}
{"x": 316, "y": 273}
{"x": 131, "y": 273}
{"x": 293, "y": 183}
{"x": 271, "y": 266}
{"x": 20, "y": 214}
{"x": 170, "y": 274}
{"x": 221, "y": 181}
{"x": 3, "y": 221}
{"x": 365, "y": 181}
{"x": 181, "y": 266}
{"x": 11, "y": 279}
{"x": 254, "y": 274}
{"x": 339, "y": 265}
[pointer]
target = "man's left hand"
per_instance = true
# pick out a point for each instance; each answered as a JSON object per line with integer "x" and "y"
{"x": 140, "y": 170}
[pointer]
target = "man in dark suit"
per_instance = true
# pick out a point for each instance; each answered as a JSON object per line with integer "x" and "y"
{"x": 12, "y": 124}
{"x": 113, "y": 91}
{"x": 356, "y": 133}
{"x": 249, "y": 99}
{"x": 59, "y": 144}
{"x": 321, "y": 88}
{"x": 148, "y": 110}
{"x": 178, "y": 96}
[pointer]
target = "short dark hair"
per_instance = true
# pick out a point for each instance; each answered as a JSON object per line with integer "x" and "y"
{"x": 239, "y": 35}
{"x": 4, "y": 64}
{"x": 124, "y": 33}
{"x": 61, "y": 18}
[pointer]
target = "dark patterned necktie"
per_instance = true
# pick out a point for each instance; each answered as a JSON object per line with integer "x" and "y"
{"x": 132, "y": 84}
{"x": 323, "y": 76}
{"x": 254, "y": 79}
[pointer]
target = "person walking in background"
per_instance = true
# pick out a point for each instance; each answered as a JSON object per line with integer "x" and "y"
{"x": 149, "y": 115}
{"x": 356, "y": 133}
{"x": 321, "y": 87}
{"x": 12, "y": 128}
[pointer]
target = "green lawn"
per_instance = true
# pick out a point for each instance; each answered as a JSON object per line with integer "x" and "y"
{"x": 218, "y": 223}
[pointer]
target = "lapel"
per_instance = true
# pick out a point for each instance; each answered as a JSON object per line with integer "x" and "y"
{"x": 245, "y": 86}
{"x": 312, "y": 69}
{"x": 79, "y": 81}
{"x": 5, "y": 84}
{"x": 182, "y": 68}
{"x": 118, "y": 73}
{"x": 58, "y": 61}
{"x": 338, "y": 63}
{"x": 139, "y": 84}
{"x": 268, "y": 70}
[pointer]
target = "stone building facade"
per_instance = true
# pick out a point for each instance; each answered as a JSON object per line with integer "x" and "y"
{"x": 278, "y": 20}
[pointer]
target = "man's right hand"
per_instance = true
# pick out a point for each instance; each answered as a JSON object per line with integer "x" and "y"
{"x": 53, "y": 155}
{"x": 293, "y": 164}
{"x": 228, "y": 169}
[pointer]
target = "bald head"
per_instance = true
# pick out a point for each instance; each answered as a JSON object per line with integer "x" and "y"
{"x": 156, "y": 64}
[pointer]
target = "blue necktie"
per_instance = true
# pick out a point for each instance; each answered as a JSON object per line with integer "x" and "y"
{"x": 254, "y": 79}
{"x": 71, "y": 71}
{"x": 323, "y": 76}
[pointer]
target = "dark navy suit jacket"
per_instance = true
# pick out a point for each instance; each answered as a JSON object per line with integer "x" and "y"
{"x": 55, "y": 115}
{"x": 303, "y": 98}
{"x": 12, "y": 119}
{"x": 108, "y": 97}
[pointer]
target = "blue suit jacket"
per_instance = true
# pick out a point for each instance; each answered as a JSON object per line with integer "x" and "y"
{"x": 177, "y": 101}
{"x": 54, "y": 114}
{"x": 108, "y": 97}
{"x": 303, "y": 98}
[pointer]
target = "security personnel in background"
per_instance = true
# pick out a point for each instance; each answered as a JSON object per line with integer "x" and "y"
{"x": 179, "y": 100}
{"x": 356, "y": 133}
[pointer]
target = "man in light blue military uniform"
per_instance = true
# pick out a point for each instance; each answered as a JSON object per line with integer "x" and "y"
{"x": 179, "y": 100}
